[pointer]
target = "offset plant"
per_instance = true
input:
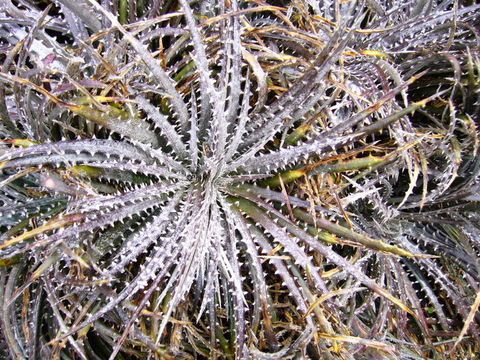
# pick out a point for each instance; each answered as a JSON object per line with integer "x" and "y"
{"x": 238, "y": 180}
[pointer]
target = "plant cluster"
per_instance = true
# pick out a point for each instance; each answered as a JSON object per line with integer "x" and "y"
{"x": 239, "y": 179}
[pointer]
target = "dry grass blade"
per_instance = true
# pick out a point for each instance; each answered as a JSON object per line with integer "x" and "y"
{"x": 234, "y": 180}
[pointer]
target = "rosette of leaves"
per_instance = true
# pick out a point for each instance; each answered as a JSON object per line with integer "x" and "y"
{"x": 239, "y": 180}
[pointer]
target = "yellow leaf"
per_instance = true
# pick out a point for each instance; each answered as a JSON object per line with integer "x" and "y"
{"x": 51, "y": 225}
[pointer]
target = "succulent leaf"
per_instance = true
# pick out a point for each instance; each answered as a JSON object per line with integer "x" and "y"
{"x": 239, "y": 180}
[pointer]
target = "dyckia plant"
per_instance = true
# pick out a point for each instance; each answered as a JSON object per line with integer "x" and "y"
{"x": 239, "y": 179}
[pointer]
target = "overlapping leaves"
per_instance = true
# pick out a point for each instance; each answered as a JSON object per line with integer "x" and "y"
{"x": 238, "y": 180}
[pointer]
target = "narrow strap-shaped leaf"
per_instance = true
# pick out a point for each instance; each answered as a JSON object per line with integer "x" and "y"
{"x": 193, "y": 132}
{"x": 282, "y": 269}
{"x": 77, "y": 28}
{"x": 58, "y": 317}
{"x": 83, "y": 11}
{"x": 348, "y": 267}
{"x": 235, "y": 221}
{"x": 211, "y": 264}
{"x": 347, "y": 233}
{"x": 165, "y": 127}
{"x": 406, "y": 287}
{"x": 290, "y": 244}
{"x": 242, "y": 121}
{"x": 300, "y": 91}
{"x": 165, "y": 158}
{"x": 208, "y": 287}
{"x": 324, "y": 250}
{"x": 244, "y": 190}
{"x": 104, "y": 202}
{"x": 286, "y": 156}
{"x": 164, "y": 257}
{"x": 208, "y": 94}
{"x": 134, "y": 316}
{"x": 51, "y": 159}
{"x": 265, "y": 305}
{"x": 7, "y": 284}
{"x": 119, "y": 121}
{"x": 357, "y": 118}
{"x": 94, "y": 169}
{"x": 234, "y": 55}
{"x": 418, "y": 24}
{"x": 304, "y": 338}
{"x": 90, "y": 216}
{"x": 442, "y": 279}
{"x": 326, "y": 138}
{"x": 186, "y": 269}
{"x": 239, "y": 312}
{"x": 105, "y": 147}
{"x": 283, "y": 157}
{"x": 140, "y": 241}
{"x": 160, "y": 75}
{"x": 193, "y": 255}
